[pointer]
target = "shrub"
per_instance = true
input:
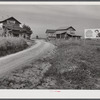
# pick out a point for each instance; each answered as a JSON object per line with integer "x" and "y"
{"x": 10, "y": 45}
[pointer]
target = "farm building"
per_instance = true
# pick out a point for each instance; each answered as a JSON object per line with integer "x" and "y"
{"x": 62, "y": 33}
{"x": 11, "y": 27}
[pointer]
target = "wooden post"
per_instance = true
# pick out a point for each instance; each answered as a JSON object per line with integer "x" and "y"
{"x": 65, "y": 35}
{"x": 60, "y": 36}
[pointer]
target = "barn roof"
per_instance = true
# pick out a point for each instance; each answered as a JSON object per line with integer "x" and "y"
{"x": 61, "y": 29}
{"x": 65, "y": 28}
{"x": 50, "y": 31}
{"x": 5, "y": 19}
{"x": 60, "y": 32}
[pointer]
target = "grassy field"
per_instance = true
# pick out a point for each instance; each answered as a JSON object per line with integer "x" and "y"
{"x": 73, "y": 64}
{"x": 10, "y": 45}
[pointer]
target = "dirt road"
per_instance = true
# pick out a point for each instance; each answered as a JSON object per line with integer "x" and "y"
{"x": 10, "y": 62}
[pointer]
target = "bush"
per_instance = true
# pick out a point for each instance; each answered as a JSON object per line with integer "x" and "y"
{"x": 10, "y": 45}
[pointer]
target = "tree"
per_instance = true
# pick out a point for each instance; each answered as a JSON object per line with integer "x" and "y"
{"x": 28, "y": 30}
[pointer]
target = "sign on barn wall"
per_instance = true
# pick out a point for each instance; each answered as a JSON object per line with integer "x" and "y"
{"x": 92, "y": 33}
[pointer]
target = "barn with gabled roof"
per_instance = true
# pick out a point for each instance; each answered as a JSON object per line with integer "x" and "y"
{"x": 11, "y": 27}
{"x": 63, "y": 33}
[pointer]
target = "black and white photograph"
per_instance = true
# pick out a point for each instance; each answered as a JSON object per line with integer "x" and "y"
{"x": 46, "y": 47}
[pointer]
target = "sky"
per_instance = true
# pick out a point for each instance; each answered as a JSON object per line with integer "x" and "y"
{"x": 43, "y": 17}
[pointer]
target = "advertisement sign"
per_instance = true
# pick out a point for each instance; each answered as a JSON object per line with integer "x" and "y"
{"x": 92, "y": 33}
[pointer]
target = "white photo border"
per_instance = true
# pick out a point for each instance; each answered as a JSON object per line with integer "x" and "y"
{"x": 49, "y": 94}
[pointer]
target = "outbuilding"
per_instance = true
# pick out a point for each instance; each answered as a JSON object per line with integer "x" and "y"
{"x": 11, "y": 27}
{"x": 63, "y": 33}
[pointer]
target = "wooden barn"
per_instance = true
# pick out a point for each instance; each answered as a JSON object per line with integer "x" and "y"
{"x": 63, "y": 33}
{"x": 50, "y": 33}
{"x": 11, "y": 27}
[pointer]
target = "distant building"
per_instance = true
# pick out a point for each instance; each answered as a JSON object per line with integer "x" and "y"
{"x": 50, "y": 33}
{"x": 11, "y": 27}
{"x": 62, "y": 33}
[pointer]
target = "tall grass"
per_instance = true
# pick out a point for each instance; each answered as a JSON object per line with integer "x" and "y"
{"x": 10, "y": 45}
{"x": 76, "y": 64}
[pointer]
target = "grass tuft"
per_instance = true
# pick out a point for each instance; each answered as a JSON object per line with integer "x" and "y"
{"x": 10, "y": 45}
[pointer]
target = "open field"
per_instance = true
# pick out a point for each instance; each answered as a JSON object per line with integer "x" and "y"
{"x": 73, "y": 64}
{"x": 9, "y": 45}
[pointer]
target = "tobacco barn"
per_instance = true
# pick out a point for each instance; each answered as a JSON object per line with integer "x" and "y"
{"x": 62, "y": 33}
{"x": 11, "y": 27}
